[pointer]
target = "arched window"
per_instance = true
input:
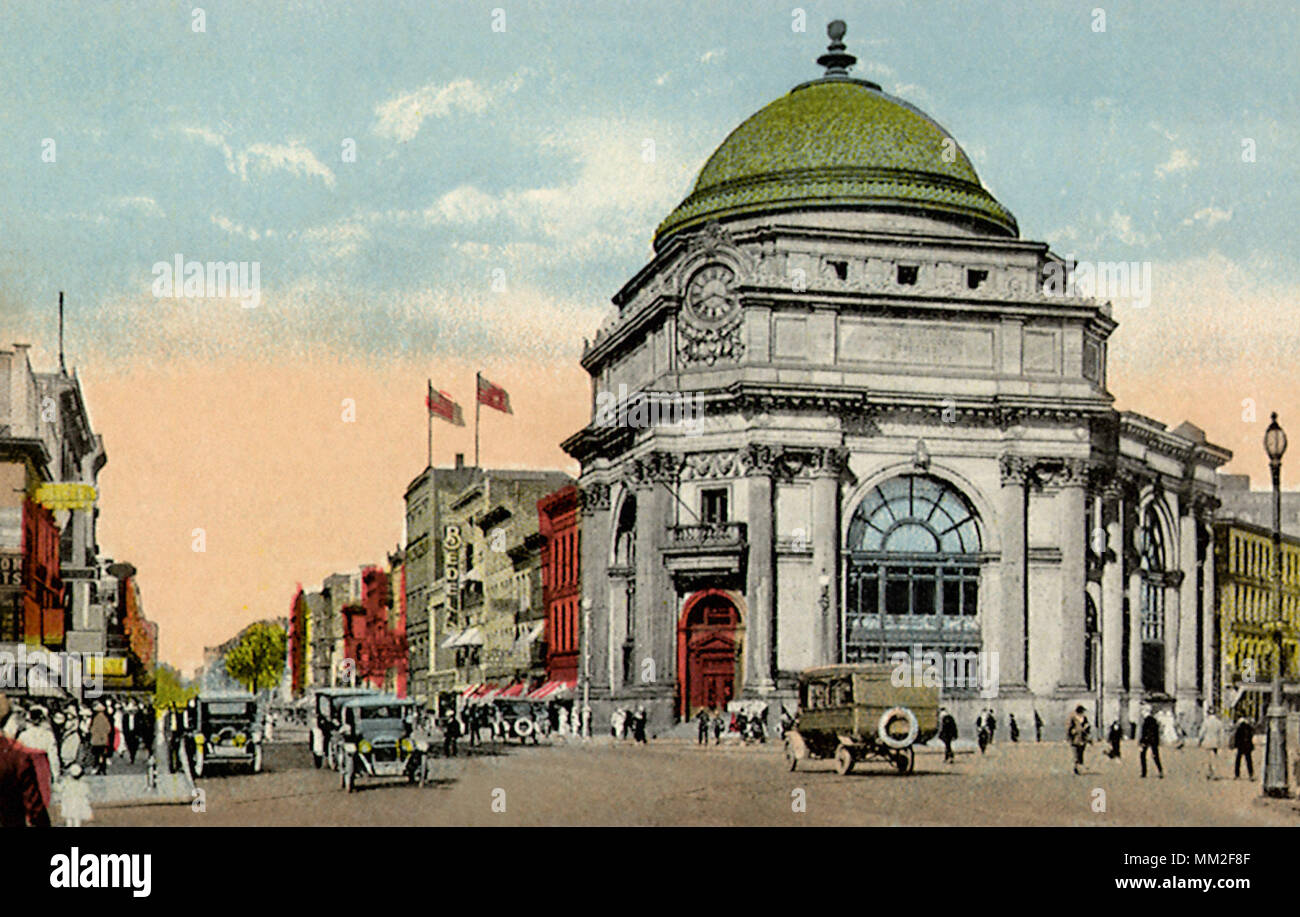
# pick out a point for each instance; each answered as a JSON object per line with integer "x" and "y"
{"x": 912, "y": 577}
{"x": 1151, "y": 556}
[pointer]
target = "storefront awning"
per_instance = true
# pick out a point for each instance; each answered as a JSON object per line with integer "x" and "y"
{"x": 554, "y": 690}
{"x": 451, "y": 641}
{"x": 515, "y": 690}
{"x": 471, "y": 637}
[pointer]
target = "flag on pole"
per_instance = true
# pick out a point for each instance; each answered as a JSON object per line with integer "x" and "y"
{"x": 494, "y": 396}
{"x": 440, "y": 404}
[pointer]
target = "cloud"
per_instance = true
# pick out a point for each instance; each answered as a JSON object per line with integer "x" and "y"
{"x": 138, "y": 203}
{"x": 401, "y": 117}
{"x": 263, "y": 158}
{"x": 1178, "y": 161}
{"x": 337, "y": 240}
{"x": 238, "y": 229}
{"x": 713, "y": 54}
{"x": 1209, "y": 216}
{"x": 628, "y": 177}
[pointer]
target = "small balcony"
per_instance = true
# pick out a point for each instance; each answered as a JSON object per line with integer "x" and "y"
{"x": 706, "y": 550}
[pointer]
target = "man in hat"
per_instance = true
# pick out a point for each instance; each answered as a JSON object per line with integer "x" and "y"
{"x": 1150, "y": 740}
{"x": 101, "y": 733}
{"x": 21, "y": 802}
{"x": 1077, "y": 732}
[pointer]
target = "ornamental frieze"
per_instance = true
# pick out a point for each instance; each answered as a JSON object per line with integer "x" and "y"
{"x": 698, "y": 344}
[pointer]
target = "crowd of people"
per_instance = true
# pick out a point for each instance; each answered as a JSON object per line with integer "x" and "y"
{"x": 71, "y": 739}
{"x": 749, "y": 726}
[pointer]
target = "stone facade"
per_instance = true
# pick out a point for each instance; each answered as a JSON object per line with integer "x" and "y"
{"x": 861, "y": 375}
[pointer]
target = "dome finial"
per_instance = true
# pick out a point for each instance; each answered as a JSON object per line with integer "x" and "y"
{"x": 836, "y": 62}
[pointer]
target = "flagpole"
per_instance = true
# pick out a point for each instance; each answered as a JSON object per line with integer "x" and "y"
{"x": 477, "y": 406}
{"x": 428, "y": 410}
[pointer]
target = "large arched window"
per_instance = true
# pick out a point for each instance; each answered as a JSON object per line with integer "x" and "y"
{"x": 912, "y": 576}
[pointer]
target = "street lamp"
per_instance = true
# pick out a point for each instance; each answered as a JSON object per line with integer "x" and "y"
{"x": 1275, "y": 778}
{"x": 586, "y": 668}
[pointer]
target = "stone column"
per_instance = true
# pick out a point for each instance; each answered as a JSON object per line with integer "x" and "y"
{"x": 760, "y": 574}
{"x": 1112, "y": 603}
{"x": 1210, "y": 604}
{"x": 1010, "y": 638}
{"x": 1185, "y": 664}
{"x": 595, "y": 562}
{"x": 1074, "y": 573}
{"x": 829, "y": 464}
{"x": 654, "y": 622}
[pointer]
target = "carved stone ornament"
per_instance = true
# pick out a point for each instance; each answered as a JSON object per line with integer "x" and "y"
{"x": 652, "y": 468}
{"x": 722, "y": 343}
{"x": 595, "y": 498}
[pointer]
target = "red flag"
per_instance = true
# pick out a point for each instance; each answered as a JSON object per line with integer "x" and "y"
{"x": 441, "y": 405}
{"x": 494, "y": 396}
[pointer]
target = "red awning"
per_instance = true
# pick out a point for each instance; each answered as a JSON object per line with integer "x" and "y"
{"x": 553, "y": 690}
{"x": 515, "y": 690}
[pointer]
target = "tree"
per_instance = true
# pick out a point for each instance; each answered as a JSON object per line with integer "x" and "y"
{"x": 170, "y": 689}
{"x": 257, "y": 660}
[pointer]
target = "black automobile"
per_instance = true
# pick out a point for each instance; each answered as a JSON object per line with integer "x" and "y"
{"x": 223, "y": 730}
{"x": 377, "y": 736}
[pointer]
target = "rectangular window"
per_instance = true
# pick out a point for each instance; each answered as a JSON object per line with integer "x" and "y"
{"x": 951, "y": 593}
{"x": 923, "y": 594}
{"x": 897, "y": 593}
{"x": 713, "y": 506}
{"x": 907, "y": 274}
{"x": 974, "y": 278}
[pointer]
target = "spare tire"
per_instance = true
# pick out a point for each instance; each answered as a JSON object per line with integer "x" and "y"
{"x": 888, "y": 717}
{"x": 523, "y": 728}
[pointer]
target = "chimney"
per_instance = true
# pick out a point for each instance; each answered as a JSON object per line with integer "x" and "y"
{"x": 460, "y": 460}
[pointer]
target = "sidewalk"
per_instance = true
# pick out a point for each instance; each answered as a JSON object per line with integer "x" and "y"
{"x": 133, "y": 790}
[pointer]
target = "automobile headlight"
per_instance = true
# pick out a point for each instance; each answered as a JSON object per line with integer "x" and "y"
{"x": 364, "y": 747}
{"x": 200, "y": 739}
{"x": 241, "y": 739}
{"x": 407, "y": 745}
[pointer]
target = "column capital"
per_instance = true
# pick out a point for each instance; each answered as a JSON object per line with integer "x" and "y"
{"x": 652, "y": 468}
{"x": 594, "y": 497}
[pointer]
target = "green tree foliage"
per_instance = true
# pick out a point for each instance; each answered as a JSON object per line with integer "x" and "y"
{"x": 170, "y": 689}
{"x": 257, "y": 660}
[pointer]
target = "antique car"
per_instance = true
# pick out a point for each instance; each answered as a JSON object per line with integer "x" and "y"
{"x": 325, "y": 722}
{"x": 854, "y": 712}
{"x": 378, "y": 739}
{"x": 223, "y": 729}
{"x": 520, "y": 719}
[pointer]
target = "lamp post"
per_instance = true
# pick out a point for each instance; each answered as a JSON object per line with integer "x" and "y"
{"x": 586, "y": 668}
{"x": 1275, "y": 778}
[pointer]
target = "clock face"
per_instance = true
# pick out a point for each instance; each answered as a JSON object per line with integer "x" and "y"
{"x": 709, "y": 294}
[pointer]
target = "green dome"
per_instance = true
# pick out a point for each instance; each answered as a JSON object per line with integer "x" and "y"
{"x": 839, "y": 143}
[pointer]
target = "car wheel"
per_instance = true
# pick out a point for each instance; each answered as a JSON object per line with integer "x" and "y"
{"x": 905, "y": 760}
{"x": 790, "y": 757}
{"x": 198, "y": 764}
{"x": 350, "y": 782}
{"x": 843, "y": 760}
{"x": 257, "y": 759}
{"x": 317, "y": 760}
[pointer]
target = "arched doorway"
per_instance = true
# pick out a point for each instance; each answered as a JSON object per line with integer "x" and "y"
{"x": 708, "y": 647}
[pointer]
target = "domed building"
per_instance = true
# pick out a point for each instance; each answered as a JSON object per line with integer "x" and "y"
{"x": 843, "y": 414}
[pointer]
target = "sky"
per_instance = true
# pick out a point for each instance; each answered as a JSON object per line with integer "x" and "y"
{"x": 431, "y": 189}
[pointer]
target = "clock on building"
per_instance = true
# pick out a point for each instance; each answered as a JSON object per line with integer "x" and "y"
{"x": 710, "y": 296}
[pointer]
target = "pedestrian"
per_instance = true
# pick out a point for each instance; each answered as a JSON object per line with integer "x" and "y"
{"x": 1114, "y": 736}
{"x": 1038, "y": 727}
{"x": 116, "y": 742}
{"x": 33, "y": 732}
{"x": 450, "y": 733}
{"x": 172, "y": 728}
{"x": 21, "y": 803}
{"x": 982, "y": 731}
{"x": 702, "y": 718}
{"x": 947, "y": 735}
{"x": 639, "y": 724}
{"x": 101, "y": 736}
{"x": 74, "y": 799}
{"x": 1150, "y": 740}
{"x": 1013, "y": 727}
{"x": 717, "y": 727}
{"x": 1210, "y": 738}
{"x": 1076, "y": 732}
{"x": 130, "y": 734}
{"x": 475, "y": 717}
{"x": 1243, "y": 740}
{"x": 992, "y": 722}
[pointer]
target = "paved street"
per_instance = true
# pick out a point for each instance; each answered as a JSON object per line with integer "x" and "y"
{"x": 678, "y": 783}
